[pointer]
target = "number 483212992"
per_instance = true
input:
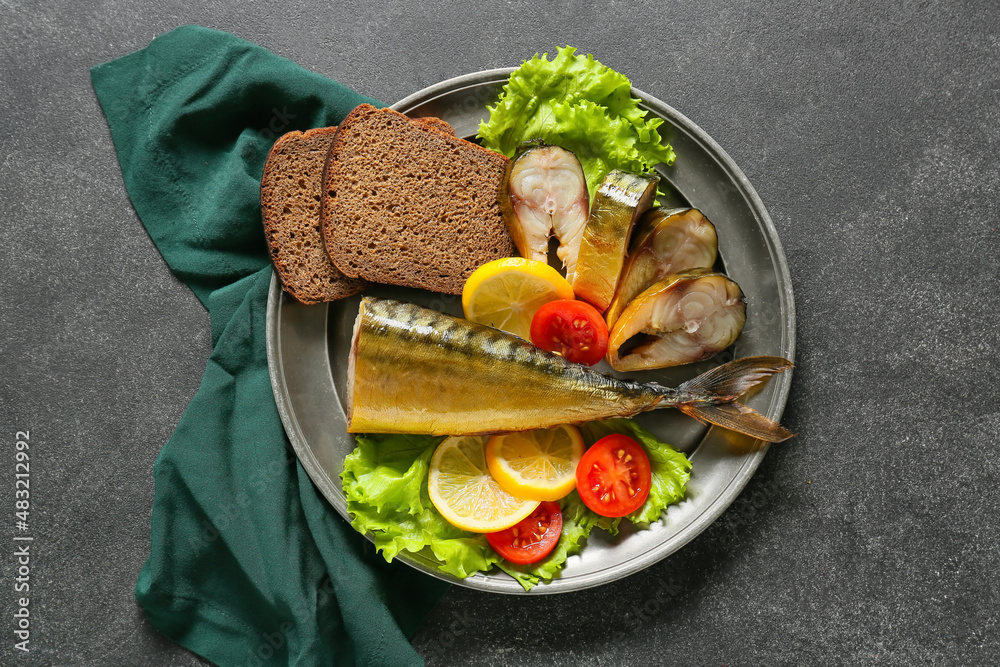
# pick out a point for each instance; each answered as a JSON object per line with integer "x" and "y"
{"x": 21, "y": 474}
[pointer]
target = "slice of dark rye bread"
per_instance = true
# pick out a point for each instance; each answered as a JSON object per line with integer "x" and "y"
{"x": 290, "y": 206}
{"x": 290, "y": 195}
{"x": 436, "y": 124}
{"x": 405, "y": 203}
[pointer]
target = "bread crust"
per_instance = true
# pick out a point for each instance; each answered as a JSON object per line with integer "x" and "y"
{"x": 407, "y": 203}
{"x": 436, "y": 124}
{"x": 290, "y": 209}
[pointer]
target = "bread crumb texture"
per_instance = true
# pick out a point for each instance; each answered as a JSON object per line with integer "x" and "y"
{"x": 290, "y": 198}
{"x": 407, "y": 203}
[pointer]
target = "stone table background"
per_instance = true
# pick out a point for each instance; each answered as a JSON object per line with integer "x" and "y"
{"x": 871, "y": 131}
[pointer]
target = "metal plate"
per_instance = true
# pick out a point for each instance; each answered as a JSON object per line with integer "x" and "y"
{"x": 307, "y": 349}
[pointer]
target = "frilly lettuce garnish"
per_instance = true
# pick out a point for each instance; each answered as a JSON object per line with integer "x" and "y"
{"x": 579, "y": 104}
{"x": 385, "y": 483}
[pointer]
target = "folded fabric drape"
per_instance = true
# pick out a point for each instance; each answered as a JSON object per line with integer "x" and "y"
{"x": 248, "y": 563}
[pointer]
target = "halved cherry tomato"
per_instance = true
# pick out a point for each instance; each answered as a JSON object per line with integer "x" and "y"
{"x": 533, "y": 538}
{"x": 614, "y": 476}
{"x": 572, "y": 329}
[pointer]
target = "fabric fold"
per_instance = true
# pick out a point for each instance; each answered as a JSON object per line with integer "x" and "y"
{"x": 248, "y": 563}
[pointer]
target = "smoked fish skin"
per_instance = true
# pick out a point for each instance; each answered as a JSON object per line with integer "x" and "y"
{"x": 665, "y": 241}
{"x": 415, "y": 370}
{"x": 622, "y": 198}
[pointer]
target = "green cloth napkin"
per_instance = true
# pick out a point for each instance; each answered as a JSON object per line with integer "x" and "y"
{"x": 248, "y": 563}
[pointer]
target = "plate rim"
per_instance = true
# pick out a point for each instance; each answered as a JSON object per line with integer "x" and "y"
{"x": 710, "y": 514}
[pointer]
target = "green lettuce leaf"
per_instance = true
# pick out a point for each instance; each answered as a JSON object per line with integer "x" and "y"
{"x": 577, "y": 103}
{"x": 385, "y": 483}
{"x": 389, "y": 471}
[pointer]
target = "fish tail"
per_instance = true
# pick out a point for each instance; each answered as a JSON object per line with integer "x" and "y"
{"x": 711, "y": 397}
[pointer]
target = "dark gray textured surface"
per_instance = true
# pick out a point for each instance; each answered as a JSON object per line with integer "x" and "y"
{"x": 870, "y": 131}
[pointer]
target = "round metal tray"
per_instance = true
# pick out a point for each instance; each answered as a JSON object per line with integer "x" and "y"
{"x": 307, "y": 348}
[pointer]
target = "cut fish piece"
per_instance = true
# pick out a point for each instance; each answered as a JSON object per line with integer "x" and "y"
{"x": 684, "y": 318}
{"x": 543, "y": 194}
{"x": 665, "y": 241}
{"x": 620, "y": 200}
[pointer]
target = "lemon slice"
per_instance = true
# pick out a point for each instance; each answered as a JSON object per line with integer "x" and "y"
{"x": 536, "y": 465}
{"x": 505, "y": 293}
{"x": 463, "y": 491}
